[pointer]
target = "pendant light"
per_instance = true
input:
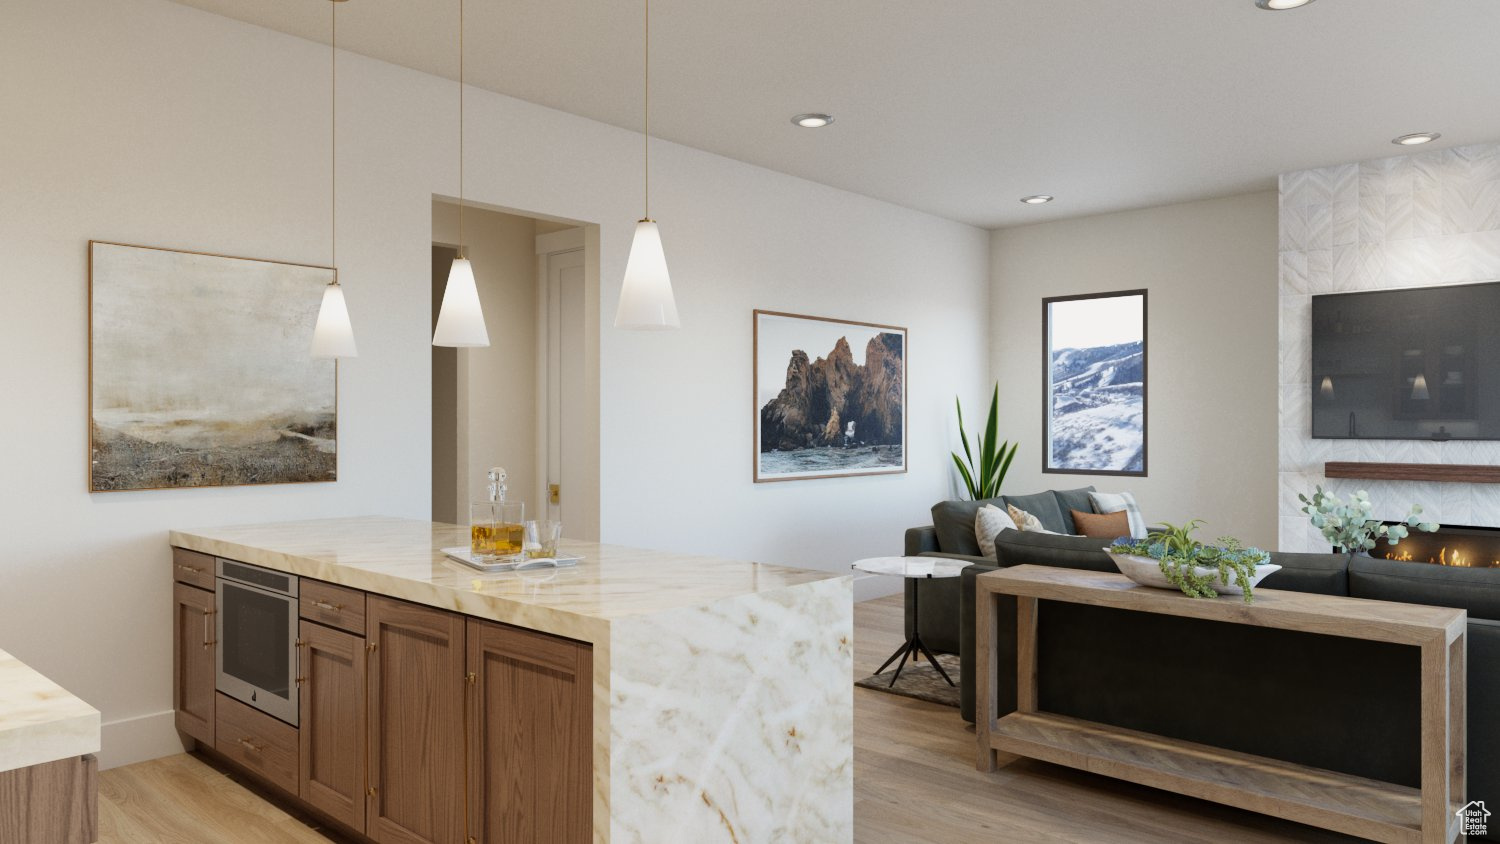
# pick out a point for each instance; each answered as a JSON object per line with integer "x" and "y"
{"x": 460, "y": 319}
{"x": 333, "y": 336}
{"x": 646, "y": 301}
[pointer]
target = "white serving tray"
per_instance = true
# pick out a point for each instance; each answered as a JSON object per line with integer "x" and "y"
{"x": 463, "y": 555}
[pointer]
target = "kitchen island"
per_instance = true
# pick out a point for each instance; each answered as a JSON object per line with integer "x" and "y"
{"x": 48, "y": 772}
{"x": 721, "y": 691}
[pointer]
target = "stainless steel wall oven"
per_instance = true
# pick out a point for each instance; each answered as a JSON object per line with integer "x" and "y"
{"x": 257, "y": 626}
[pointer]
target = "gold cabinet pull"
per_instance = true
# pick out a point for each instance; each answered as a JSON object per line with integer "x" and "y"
{"x": 193, "y": 569}
{"x": 324, "y": 605}
{"x": 208, "y": 636}
{"x": 250, "y": 745}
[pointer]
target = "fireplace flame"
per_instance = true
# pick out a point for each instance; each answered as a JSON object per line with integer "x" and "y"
{"x": 1444, "y": 558}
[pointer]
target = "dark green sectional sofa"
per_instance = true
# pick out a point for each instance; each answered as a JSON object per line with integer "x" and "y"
{"x": 1341, "y": 704}
{"x": 951, "y": 534}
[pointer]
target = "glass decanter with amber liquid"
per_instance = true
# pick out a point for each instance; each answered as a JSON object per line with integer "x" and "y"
{"x": 496, "y": 526}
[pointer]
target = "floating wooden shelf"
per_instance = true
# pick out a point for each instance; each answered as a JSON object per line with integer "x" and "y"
{"x": 1439, "y": 472}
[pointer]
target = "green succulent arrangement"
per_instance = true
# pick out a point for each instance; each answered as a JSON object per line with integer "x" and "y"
{"x": 1181, "y": 555}
{"x": 1348, "y": 526}
{"x": 982, "y": 480}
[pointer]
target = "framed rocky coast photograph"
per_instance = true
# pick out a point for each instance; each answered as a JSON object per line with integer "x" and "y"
{"x": 200, "y": 372}
{"x": 830, "y": 397}
{"x": 1094, "y": 383}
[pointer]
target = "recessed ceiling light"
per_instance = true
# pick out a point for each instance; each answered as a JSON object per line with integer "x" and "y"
{"x": 1281, "y": 5}
{"x": 813, "y": 121}
{"x": 1038, "y": 199}
{"x": 1416, "y": 138}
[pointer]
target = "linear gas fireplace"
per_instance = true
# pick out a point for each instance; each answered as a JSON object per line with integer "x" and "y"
{"x": 1450, "y": 545}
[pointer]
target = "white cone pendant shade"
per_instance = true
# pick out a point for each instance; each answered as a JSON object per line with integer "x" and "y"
{"x": 646, "y": 300}
{"x": 333, "y": 336}
{"x": 460, "y": 320}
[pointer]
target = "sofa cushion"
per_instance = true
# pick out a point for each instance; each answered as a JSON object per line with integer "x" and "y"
{"x": 1019, "y": 548}
{"x": 954, "y": 523}
{"x": 1102, "y": 525}
{"x": 1044, "y": 506}
{"x": 1325, "y": 574}
{"x": 1073, "y": 499}
{"x": 1024, "y": 521}
{"x": 1475, "y": 590}
{"x": 988, "y": 521}
{"x": 1117, "y": 502}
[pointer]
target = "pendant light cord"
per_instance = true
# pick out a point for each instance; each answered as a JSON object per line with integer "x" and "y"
{"x": 333, "y": 135}
{"x": 460, "y": 128}
{"x": 647, "y": 110}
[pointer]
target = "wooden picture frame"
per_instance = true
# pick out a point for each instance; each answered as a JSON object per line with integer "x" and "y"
{"x": 200, "y": 371}
{"x": 1097, "y": 435}
{"x": 865, "y": 435}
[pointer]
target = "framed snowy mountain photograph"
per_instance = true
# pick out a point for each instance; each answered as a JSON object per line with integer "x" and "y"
{"x": 1094, "y": 377}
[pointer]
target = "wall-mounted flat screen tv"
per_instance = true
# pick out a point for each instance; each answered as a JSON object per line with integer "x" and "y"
{"x": 1421, "y": 364}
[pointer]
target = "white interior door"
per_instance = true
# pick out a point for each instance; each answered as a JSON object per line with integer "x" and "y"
{"x": 565, "y": 405}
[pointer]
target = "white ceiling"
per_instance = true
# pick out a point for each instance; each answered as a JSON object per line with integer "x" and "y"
{"x": 960, "y": 107}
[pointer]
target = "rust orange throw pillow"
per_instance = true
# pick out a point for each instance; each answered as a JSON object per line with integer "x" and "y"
{"x": 1105, "y": 526}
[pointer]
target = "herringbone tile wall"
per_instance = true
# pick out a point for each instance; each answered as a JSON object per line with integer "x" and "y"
{"x": 1410, "y": 221}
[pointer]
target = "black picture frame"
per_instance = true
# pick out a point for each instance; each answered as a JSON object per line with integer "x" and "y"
{"x": 1048, "y": 466}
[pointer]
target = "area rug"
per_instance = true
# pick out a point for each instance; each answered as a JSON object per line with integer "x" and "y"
{"x": 919, "y": 680}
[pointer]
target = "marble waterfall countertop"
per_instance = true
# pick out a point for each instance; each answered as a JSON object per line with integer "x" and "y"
{"x": 39, "y": 720}
{"x": 723, "y": 690}
{"x": 402, "y": 558}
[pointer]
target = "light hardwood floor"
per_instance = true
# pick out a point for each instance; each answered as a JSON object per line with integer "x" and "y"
{"x": 914, "y": 781}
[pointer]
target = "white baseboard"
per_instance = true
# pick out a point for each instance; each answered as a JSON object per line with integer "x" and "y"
{"x": 870, "y": 586}
{"x": 138, "y": 739}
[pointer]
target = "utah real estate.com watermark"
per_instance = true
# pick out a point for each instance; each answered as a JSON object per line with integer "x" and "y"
{"x": 1475, "y": 818}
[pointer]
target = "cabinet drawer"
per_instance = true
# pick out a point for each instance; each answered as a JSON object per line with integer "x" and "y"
{"x": 257, "y": 741}
{"x": 193, "y": 568}
{"x": 335, "y": 606}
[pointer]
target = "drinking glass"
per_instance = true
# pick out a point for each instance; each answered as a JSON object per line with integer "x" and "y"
{"x": 542, "y": 536}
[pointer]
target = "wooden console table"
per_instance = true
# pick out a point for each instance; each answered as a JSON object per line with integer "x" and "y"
{"x": 1341, "y": 802}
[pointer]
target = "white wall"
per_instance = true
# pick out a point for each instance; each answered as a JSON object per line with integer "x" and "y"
{"x": 1209, "y": 269}
{"x": 146, "y": 122}
{"x": 1409, "y": 221}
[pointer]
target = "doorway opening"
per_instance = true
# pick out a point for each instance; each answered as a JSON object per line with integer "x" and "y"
{"x": 529, "y": 402}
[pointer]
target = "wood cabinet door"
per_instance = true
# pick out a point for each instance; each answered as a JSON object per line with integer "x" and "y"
{"x": 416, "y": 723}
{"x": 332, "y": 733}
{"x": 193, "y": 652}
{"x": 531, "y": 751}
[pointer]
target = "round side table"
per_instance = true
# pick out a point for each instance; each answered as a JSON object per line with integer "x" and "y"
{"x": 917, "y": 569}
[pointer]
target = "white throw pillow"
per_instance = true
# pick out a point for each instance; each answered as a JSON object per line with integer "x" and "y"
{"x": 1110, "y": 502}
{"x": 988, "y": 521}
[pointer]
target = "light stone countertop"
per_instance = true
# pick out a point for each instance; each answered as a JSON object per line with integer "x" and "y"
{"x": 39, "y": 720}
{"x": 722, "y": 690}
{"x": 401, "y": 558}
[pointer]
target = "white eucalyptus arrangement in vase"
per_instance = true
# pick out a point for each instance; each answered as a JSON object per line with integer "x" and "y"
{"x": 1349, "y": 527}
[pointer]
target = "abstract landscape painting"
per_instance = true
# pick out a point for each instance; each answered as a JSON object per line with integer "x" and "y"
{"x": 1095, "y": 402}
{"x": 201, "y": 374}
{"x": 830, "y": 397}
